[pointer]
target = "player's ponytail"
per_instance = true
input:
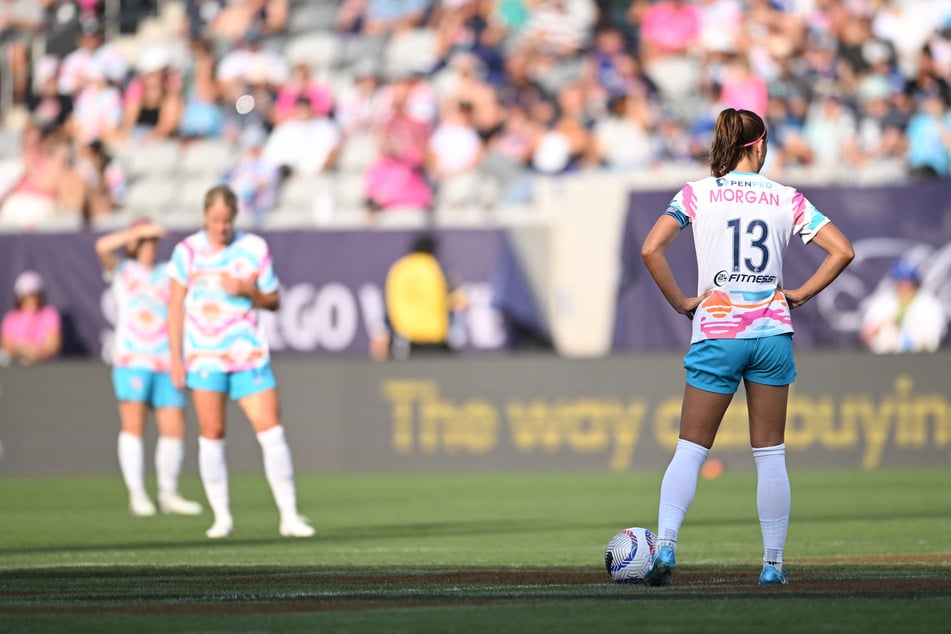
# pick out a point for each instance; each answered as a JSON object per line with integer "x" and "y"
{"x": 735, "y": 134}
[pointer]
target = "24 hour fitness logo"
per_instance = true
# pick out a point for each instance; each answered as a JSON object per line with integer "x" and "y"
{"x": 723, "y": 277}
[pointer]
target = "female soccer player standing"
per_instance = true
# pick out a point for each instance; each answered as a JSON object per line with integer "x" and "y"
{"x": 220, "y": 278}
{"x": 141, "y": 364}
{"x": 742, "y": 224}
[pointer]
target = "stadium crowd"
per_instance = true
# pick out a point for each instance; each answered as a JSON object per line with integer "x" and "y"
{"x": 315, "y": 111}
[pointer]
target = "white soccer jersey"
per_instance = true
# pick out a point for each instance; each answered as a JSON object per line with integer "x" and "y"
{"x": 742, "y": 224}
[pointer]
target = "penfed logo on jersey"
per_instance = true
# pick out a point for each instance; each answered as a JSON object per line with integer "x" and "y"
{"x": 723, "y": 278}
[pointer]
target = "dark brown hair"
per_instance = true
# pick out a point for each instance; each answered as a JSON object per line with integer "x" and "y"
{"x": 735, "y": 135}
{"x": 225, "y": 195}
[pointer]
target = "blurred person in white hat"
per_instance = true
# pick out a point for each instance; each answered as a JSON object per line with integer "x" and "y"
{"x": 92, "y": 47}
{"x": 31, "y": 331}
{"x": 98, "y": 112}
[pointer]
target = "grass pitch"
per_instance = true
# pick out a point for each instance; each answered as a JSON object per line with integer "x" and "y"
{"x": 867, "y": 551}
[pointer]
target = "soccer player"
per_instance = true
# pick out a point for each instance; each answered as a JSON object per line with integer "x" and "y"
{"x": 140, "y": 366}
{"x": 220, "y": 279}
{"x": 742, "y": 330}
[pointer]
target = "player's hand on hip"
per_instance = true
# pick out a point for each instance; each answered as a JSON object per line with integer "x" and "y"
{"x": 237, "y": 286}
{"x": 178, "y": 375}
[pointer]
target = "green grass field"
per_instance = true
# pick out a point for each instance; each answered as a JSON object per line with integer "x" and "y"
{"x": 867, "y": 551}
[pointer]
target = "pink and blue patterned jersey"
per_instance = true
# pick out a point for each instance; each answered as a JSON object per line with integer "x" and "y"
{"x": 222, "y": 331}
{"x": 742, "y": 224}
{"x": 141, "y": 294}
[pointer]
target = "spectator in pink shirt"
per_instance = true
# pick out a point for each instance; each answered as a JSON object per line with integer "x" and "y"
{"x": 670, "y": 27}
{"x": 742, "y": 89}
{"x": 302, "y": 83}
{"x": 31, "y": 331}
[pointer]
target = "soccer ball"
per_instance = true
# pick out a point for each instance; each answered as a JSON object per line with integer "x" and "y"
{"x": 629, "y": 554}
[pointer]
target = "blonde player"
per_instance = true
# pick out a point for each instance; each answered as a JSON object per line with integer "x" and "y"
{"x": 140, "y": 366}
{"x": 742, "y": 329}
{"x": 220, "y": 279}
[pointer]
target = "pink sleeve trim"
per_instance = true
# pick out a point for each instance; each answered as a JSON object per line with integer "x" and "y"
{"x": 799, "y": 207}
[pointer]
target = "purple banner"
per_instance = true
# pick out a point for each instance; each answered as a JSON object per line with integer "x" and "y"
{"x": 332, "y": 287}
{"x": 883, "y": 224}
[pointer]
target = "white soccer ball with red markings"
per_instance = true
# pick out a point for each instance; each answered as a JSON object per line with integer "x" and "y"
{"x": 629, "y": 554}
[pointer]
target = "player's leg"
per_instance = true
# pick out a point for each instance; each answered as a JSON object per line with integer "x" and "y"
{"x": 131, "y": 392}
{"x": 210, "y": 396}
{"x": 713, "y": 374}
{"x": 256, "y": 393}
{"x": 169, "y": 407}
{"x": 767, "y": 395}
{"x": 700, "y": 418}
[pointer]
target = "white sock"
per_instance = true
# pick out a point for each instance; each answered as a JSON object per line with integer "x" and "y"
{"x": 169, "y": 453}
{"x": 678, "y": 489}
{"x": 279, "y": 469}
{"x": 131, "y": 463}
{"x": 214, "y": 476}
{"x": 773, "y": 500}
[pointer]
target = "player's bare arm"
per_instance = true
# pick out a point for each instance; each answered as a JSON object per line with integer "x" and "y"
{"x": 661, "y": 236}
{"x": 839, "y": 253}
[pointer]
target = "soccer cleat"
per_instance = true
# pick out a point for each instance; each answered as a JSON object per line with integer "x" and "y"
{"x": 662, "y": 567}
{"x": 175, "y": 504}
{"x": 296, "y": 526}
{"x": 772, "y": 577}
{"x": 222, "y": 527}
{"x": 141, "y": 506}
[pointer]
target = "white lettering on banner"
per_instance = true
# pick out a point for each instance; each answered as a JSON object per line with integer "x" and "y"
{"x": 330, "y": 317}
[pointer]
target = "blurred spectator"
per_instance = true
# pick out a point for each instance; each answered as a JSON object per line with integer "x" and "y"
{"x": 929, "y": 136}
{"x": 418, "y": 305}
{"x": 669, "y": 28}
{"x": 304, "y": 145}
{"x": 202, "y": 116}
{"x": 104, "y": 180}
{"x": 302, "y": 83}
{"x": 879, "y": 143}
{"x": 624, "y": 136}
{"x": 741, "y": 88}
{"x": 62, "y": 26}
{"x": 829, "y": 124}
{"x": 49, "y": 109}
{"x": 249, "y": 77}
{"x": 568, "y": 145}
{"x": 559, "y": 29}
{"x": 253, "y": 179}
{"x": 48, "y": 185}
{"x": 200, "y": 15}
{"x": 504, "y": 170}
{"x": 902, "y": 316}
{"x": 31, "y": 332}
{"x": 397, "y": 178}
{"x": 926, "y": 80}
{"x": 463, "y": 85}
{"x": 238, "y": 18}
{"x": 153, "y": 101}
{"x": 20, "y": 20}
{"x": 455, "y": 150}
{"x": 378, "y": 18}
{"x": 108, "y": 61}
{"x": 363, "y": 106}
{"x": 98, "y": 111}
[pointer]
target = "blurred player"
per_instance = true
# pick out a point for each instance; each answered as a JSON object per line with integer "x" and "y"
{"x": 220, "y": 278}
{"x": 742, "y": 330}
{"x": 140, "y": 366}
